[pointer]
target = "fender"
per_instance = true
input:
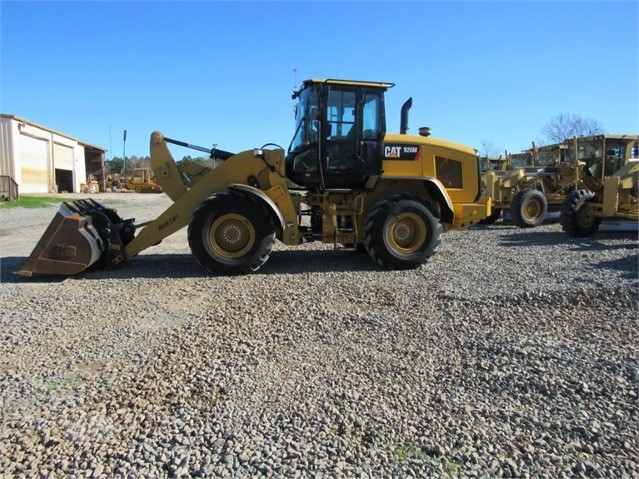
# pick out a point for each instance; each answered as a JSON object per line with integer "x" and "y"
{"x": 439, "y": 194}
{"x": 264, "y": 197}
{"x": 437, "y": 191}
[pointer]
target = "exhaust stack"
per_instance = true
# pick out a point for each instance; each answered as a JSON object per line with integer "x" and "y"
{"x": 403, "y": 128}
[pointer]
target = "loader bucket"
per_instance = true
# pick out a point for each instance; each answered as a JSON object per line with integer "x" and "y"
{"x": 79, "y": 236}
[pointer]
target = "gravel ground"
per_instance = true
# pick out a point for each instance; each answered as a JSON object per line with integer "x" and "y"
{"x": 512, "y": 353}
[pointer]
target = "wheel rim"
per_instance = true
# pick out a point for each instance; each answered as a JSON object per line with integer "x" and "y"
{"x": 532, "y": 209}
{"x": 407, "y": 233}
{"x": 585, "y": 216}
{"x": 231, "y": 236}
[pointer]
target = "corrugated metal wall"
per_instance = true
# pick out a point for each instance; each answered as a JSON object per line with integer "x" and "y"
{"x": 6, "y": 144}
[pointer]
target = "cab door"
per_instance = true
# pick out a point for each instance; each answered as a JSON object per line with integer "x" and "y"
{"x": 355, "y": 128}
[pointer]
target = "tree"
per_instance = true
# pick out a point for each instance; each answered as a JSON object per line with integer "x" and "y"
{"x": 198, "y": 160}
{"x": 138, "y": 162}
{"x": 564, "y": 127}
{"x": 489, "y": 149}
{"x": 114, "y": 165}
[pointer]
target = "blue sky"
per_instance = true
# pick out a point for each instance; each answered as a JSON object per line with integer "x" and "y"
{"x": 223, "y": 72}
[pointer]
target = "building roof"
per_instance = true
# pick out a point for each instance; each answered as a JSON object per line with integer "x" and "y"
{"x": 37, "y": 125}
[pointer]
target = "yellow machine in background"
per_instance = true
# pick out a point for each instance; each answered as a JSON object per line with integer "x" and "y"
{"x": 142, "y": 181}
{"x": 532, "y": 183}
{"x": 608, "y": 183}
{"x": 344, "y": 180}
{"x": 539, "y": 180}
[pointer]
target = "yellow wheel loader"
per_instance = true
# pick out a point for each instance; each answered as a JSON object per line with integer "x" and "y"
{"x": 343, "y": 180}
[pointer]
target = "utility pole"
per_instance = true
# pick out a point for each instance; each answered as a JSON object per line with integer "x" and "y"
{"x": 124, "y": 156}
{"x": 294, "y": 89}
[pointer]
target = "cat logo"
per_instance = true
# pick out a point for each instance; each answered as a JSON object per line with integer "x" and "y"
{"x": 392, "y": 151}
{"x": 401, "y": 152}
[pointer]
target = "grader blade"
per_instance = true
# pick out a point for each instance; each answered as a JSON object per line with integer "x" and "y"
{"x": 78, "y": 237}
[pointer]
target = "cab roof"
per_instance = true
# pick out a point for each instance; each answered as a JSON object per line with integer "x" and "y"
{"x": 606, "y": 136}
{"x": 333, "y": 81}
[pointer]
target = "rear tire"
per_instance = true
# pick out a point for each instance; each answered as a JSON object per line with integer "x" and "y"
{"x": 231, "y": 233}
{"x": 576, "y": 217}
{"x": 401, "y": 232}
{"x": 529, "y": 208}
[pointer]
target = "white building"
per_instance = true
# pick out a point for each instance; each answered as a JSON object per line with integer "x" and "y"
{"x": 41, "y": 160}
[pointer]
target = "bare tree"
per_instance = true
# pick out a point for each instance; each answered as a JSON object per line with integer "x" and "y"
{"x": 563, "y": 127}
{"x": 488, "y": 149}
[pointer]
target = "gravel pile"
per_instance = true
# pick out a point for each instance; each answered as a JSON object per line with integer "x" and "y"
{"x": 512, "y": 353}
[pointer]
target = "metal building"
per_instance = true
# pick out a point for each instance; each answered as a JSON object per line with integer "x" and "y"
{"x": 40, "y": 160}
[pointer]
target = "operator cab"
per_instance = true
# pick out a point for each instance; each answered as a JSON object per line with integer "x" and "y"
{"x": 340, "y": 127}
{"x": 603, "y": 155}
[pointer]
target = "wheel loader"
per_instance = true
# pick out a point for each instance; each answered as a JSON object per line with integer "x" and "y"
{"x": 343, "y": 180}
{"x": 607, "y": 186}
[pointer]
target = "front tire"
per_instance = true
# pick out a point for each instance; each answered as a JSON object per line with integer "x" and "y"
{"x": 401, "y": 232}
{"x": 576, "y": 217}
{"x": 231, "y": 233}
{"x": 529, "y": 208}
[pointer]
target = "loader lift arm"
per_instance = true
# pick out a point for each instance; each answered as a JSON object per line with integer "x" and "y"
{"x": 236, "y": 169}
{"x": 85, "y": 232}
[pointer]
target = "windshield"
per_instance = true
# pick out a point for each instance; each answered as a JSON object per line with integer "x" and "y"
{"x": 306, "y": 121}
{"x": 602, "y": 156}
{"x": 493, "y": 164}
{"x": 586, "y": 150}
{"x": 520, "y": 160}
{"x": 549, "y": 156}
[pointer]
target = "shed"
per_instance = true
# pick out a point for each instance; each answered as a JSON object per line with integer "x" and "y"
{"x": 42, "y": 160}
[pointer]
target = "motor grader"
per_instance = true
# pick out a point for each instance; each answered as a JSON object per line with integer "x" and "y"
{"x": 343, "y": 180}
{"x": 607, "y": 186}
{"x": 536, "y": 182}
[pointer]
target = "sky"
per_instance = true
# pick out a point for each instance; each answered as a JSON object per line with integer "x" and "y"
{"x": 222, "y": 73}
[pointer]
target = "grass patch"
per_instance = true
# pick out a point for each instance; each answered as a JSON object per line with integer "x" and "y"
{"x": 33, "y": 202}
{"x": 406, "y": 451}
{"x": 402, "y": 452}
{"x": 451, "y": 465}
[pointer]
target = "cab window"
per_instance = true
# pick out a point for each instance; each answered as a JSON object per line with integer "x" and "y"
{"x": 340, "y": 114}
{"x": 371, "y": 117}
